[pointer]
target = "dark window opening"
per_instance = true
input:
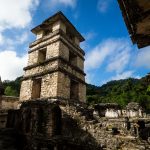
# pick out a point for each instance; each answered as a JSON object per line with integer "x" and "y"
{"x": 56, "y": 121}
{"x": 51, "y": 147}
{"x": 42, "y": 55}
{"x": 72, "y": 58}
{"x": 141, "y": 124}
{"x": 47, "y": 32}
{"x": 70, "y": 35}
{"x": 36, "y": 88}
{"x": 74, "y": 90}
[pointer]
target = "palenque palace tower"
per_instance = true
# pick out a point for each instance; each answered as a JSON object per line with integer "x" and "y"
{"x": 55, "y": 67}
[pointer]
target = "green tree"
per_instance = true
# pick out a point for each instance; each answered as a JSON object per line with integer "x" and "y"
{"x": 9, "y": 91}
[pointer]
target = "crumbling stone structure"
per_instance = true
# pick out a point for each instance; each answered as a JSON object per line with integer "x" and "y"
{"x": 6, "y": 103}
{"x": 53, "y": 114}
{"x": 41, "y": 124}
{"x": 56, "y": 63}
{"x": 113, "y": 110}
{"x": 134, "y": 110}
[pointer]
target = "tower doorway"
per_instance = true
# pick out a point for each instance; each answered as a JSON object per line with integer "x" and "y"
{"x": 36, "y": 88}
{"x": 74, "y": 90}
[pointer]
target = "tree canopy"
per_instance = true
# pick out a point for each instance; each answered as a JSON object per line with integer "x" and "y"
{"x": 12, "y": 88}
{"x": 121, "y": 92}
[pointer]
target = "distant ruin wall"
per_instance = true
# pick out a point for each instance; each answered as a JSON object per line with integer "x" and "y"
{"x": 9, "y": 102}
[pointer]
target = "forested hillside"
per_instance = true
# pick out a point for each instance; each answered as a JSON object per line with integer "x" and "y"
{"x": 121, "y": 91}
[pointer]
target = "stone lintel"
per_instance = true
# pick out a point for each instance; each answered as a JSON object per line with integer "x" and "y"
{"x": 58, "y": 32}
{"x": 53, "y": 59}
{"x": 52, "y": 71}
{"x": 57, "y": 100}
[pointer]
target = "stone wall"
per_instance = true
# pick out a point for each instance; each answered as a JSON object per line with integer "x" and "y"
{"x": 3, "y": 118}
{"x": 44, "y": 42}
{"x": 80, "y": 63}
{"x": 36, "y": 117}
{"x": 71, "y": 70}
{"x": 43, "y": 125}
{"x": 55, "y": 85}
{"x": 9, "y": 102}
{"x": 63, "y": 91}
{"x": 26, "y": 90}
{"x": 64, "y": 51}
{"x": 53, "y": 50}
{"x": 49, "y": 86}
{"x": 78, "y": 126}
{"x": 111, "y": 134}
{"x": 112, "y": 110}
{"x": 32, "y": 58}
{"x": 52, "y": 65}
{"x": 82, "y": 92}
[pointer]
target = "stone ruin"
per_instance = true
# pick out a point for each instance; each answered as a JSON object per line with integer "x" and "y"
{"x": 113, "y": 110}
{"x": 53, "y": 114}
{"x": 6, "y": 103}
{"x": 55, "y": 67}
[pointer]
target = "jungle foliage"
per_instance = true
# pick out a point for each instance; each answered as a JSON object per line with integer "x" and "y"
{"x": 12, "y": 88}
{"x": 121, "y": 92}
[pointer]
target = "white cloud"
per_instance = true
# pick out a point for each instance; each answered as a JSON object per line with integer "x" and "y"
{"x": 110, "y": 56}
{"x": 111, "y": 49}
{"x": 103, "y": 5}
{"x": 1, "y": 39}
{"x": 90, "y": 35}
{"x": 22, "y": 38}
{"x": 13, "y": 42}
{"x": 89, "y": 77}
{"x": 16, "y": 13}
{"x": 67, "y": 3}
{"x": 15, "y": 16}
{"x": 123, "y": 75}
{"x": 11, "y": 65}
{"x": 143, "y": 58}
{"x": 120, "y": 57}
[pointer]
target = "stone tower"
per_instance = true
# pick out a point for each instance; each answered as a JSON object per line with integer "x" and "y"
{"x": 55, "y": 67}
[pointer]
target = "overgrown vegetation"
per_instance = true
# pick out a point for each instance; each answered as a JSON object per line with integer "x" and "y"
{"x": 121, "y": 92}
{"x": 12, "y": 88}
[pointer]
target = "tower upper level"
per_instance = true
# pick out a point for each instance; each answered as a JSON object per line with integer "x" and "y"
{"x": 55, "y": 23}
{"x": 50, "y": 35}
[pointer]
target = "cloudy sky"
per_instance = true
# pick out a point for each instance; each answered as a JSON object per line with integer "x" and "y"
{"x": 110, "y": 54}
